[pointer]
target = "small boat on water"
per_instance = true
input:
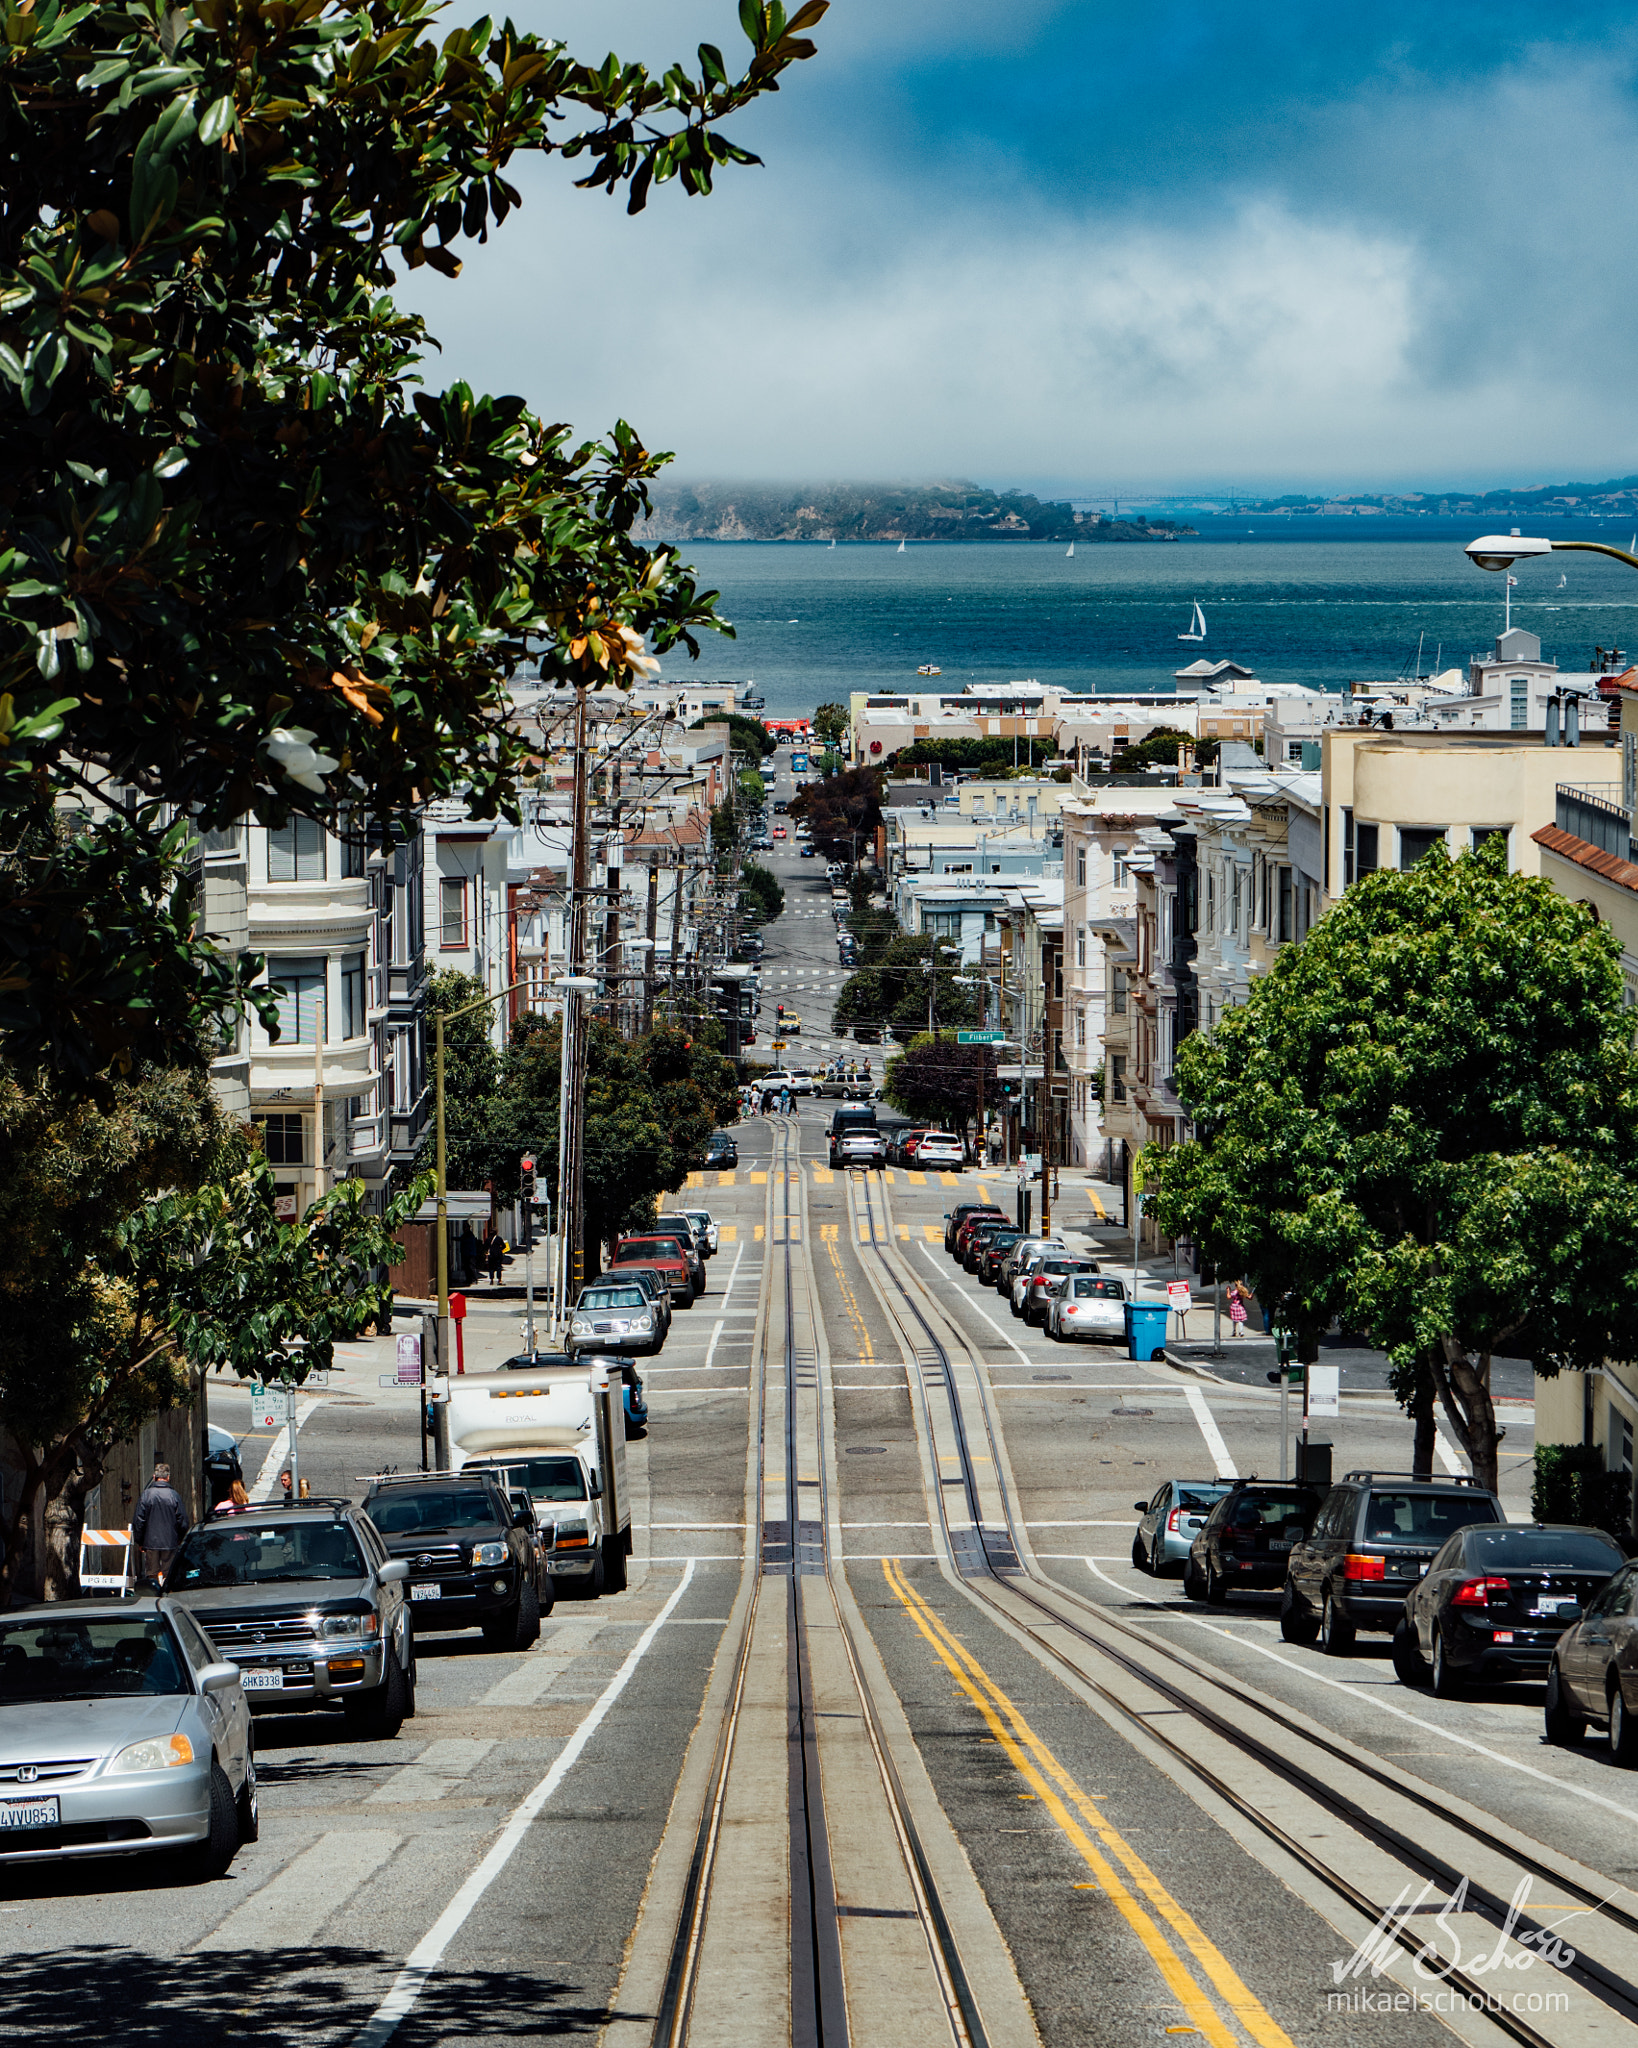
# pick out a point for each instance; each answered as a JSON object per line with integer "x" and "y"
{"x": 927, "y": 669}
{"x": 901, "y": 547}
{"x": 1197, "y": 625}
{"x": 1562, "y": 581}
{"x": 1069, "y": 552}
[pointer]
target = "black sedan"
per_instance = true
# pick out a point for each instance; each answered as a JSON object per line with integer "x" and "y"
{"x": 1593, "y": 1678}
{"x": 721, "y": 1151}
{"x": 1248, "y": 1539}
{"x": 1496, "y": 1602}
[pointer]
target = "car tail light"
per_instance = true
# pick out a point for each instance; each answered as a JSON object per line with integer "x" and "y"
{"x": 1477, "y": 1592}
{"x": 1356, "y": 1567}
{"x": 1172, "y": 1521}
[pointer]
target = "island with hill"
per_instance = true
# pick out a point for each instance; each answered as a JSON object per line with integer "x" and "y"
{"x": 955, "y": 510}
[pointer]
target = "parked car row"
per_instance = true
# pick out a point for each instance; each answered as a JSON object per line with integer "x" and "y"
{"x": 627, "y": 1310}
{"x": 1466, "y": 1597}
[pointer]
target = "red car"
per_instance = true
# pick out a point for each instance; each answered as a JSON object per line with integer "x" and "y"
{"x": 665, "y": 1255}
{"x": 969, "y": 1223}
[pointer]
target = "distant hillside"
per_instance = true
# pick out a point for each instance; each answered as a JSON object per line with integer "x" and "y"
{"x": 941, "y": 511}
{"x": 1616, "y": 498}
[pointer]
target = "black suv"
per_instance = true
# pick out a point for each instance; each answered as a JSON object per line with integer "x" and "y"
{"x": 472, "y": 1562}
{"x": 307, "y": 1601}
{"x": 1375, "y": 1537}
{"x": 1247, "y": 1538}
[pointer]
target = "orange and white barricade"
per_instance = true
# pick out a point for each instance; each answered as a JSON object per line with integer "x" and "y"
{"x": 121, "y": 1581}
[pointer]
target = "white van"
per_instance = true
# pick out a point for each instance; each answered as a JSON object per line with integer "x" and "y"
{"x": 562, "y": 1435}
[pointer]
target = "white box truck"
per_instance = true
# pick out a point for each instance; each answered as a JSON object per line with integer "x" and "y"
{"x": 562, "y": 1435}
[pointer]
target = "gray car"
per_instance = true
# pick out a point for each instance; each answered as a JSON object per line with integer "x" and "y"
{"x": 122, "y": 1732}
{"x": 1172, "y": 1518}
{"x": 309, "y": 1604}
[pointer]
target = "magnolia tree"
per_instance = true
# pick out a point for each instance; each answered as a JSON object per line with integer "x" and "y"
{"x": 142, "y": 1248}
{"x": 249, "y": 563}
{"x": 1423, "y": 1122}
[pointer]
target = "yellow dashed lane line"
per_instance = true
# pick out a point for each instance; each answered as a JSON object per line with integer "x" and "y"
{"x": 1142, "y": 1900}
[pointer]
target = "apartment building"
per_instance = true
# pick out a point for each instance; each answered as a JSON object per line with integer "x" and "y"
{"x": 343, "y": 1091}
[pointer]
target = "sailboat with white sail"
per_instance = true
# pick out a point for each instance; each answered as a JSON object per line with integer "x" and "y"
{"x": 1069, "y": 552}
{"x": 901, "y": 547}
{"x": 1197, "y": 625}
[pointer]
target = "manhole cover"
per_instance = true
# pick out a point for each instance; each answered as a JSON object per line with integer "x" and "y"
{"x": 1049, "y": 1376}
{"x": 866, "y": 1450}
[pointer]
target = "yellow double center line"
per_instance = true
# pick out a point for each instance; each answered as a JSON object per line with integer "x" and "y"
{"x": 1141, "y": 1898}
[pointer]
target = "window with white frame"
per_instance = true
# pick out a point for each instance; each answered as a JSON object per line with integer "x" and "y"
{"x": 1080, "y": 945}
{"x": 1080, "y": 1027}
{"x": 452, "y": 895}
{"x": 1118, "y": 879}
{"x": 1080, "y": 867}
{"x": 941, "y": 924}
{"x": 352, "y": 996}
{"x": 301, "y": 998}
{"x": 295, "y": 852}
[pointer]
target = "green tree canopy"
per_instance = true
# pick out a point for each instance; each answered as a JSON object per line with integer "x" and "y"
{"x": 842, "y": 812}
{"x": 762, "y": 887}
{"x": 745, "y": 735}
{"x": 249, "y": 563}
{"x": 1423, "y": 1120}
{"x": 937, "y": 1081}
{"x": 894, "y": 990}
{"x": 471, "y": 1076}
{"x": 830, "y": 721}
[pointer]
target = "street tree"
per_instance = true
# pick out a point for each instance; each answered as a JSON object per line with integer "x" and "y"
{"x": 250, "y": 562}
{"x": 471, "y": 1077}
{"x": 830, "y": 722}
{"x": 142, "y": 1247}
{"x": 935, "y": 1080}
{"x": 1423, "y": 1121}
{"x": 762, "y": 887}
{"x": 650, "y": 1105}
{"x": 842, "y": 813}
{"x": 907, "y": 977}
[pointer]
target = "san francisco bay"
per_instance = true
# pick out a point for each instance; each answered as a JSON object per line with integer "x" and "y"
{"x": 1319, "y": 607}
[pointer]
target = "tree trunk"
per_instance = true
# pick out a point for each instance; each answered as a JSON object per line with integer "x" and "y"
{"x": 1420, "y": 1409}
{"x": 1464, "y": 1394}
{"x": 64, "y": 1519}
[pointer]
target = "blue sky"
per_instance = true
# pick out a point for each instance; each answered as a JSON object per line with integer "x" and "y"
{"x": 1089, "y": 248}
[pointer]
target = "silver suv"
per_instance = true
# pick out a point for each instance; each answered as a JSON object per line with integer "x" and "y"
{"x": 306, "y": 1601}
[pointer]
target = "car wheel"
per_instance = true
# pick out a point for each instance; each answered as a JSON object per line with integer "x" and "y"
{"x": 1138, "y": 1557}
{"x": 209, "y": 1859}
{"x": 1297, "y": 1625}
{"x": 247, "y": 1811}
{"x": 1564, "y": 1729}
{"x": 1336, "y": 1631}
{"x": 614, "y": 1563}
{"x": 1192, "y": 1584}
{"x": 1623, "y": 1726}
{"x": 1216, "y": 1585}
{"x": 379, "y": 1715}
{"x": 1446, "y": 1683}
{"x": 1409, "y": 1665}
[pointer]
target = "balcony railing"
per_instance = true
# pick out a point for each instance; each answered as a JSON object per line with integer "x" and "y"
{"x": 1597, "y": 815}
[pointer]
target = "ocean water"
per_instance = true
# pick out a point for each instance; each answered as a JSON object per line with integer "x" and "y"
{"x": 1300, "y": 605}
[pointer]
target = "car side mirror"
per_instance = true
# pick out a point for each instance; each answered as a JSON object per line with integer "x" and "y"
{"x": 596, "y": 1487}
{"x": 219, "y": 1678}
{"x": 392, "y": 1574}
{"x": 1142, "y": 1506}
{"x": 1570, "y": 1614}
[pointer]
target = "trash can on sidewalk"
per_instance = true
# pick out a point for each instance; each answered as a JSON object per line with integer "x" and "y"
{"x": 1146, "y": 1329}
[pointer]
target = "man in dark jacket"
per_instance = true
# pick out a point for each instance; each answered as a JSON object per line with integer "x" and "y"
{"x": 160, "y": 1523}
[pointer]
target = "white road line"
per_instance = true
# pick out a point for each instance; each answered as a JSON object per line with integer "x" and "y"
{"x": 733, "y": 1276}
{"x": 439, "y": 1768}
{"x": 711, "y": 1348}
{"x": 1447, "y": 1455}
{"x": 278, "y": 1454}
{"x": 1360, "y": 1692}
{"x": 1212, "y": 1434}
{"x": 291, "y": 1908}
{"x": 995, "y": 1326}
{"x": 425, "y": 1958}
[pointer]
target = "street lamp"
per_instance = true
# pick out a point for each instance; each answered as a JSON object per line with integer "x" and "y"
{"x": 1502, "y": 550}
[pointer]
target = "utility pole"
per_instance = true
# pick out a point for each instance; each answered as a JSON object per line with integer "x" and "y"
{"x": 651, "y": 927}
{"x": 570, "y": 1194}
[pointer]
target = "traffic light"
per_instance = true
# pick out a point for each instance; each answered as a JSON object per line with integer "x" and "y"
{"x": 526, "y": 1177}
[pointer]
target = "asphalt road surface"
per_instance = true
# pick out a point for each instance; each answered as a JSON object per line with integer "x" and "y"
{"x": 888, "y": 1740}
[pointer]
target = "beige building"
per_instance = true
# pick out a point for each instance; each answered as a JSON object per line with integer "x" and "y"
{"x": 1388, "y": 797}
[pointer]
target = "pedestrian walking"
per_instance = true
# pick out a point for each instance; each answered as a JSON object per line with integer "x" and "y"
{"x": 467, "y": 1245}
{"x": 160, "y": 1523}
{"x": 1237, "y": 1308}
{"x": 494, "y": 1252}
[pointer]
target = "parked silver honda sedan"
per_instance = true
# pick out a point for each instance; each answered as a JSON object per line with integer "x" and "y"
{"x": 121, "y": 1731}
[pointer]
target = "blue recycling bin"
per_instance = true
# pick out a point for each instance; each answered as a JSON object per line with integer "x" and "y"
{"x": 1146, "y": 1329}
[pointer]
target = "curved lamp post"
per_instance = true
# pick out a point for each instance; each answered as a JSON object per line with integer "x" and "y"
{"x": 1502, "y": 550}
{"x": 569, "y": 986}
